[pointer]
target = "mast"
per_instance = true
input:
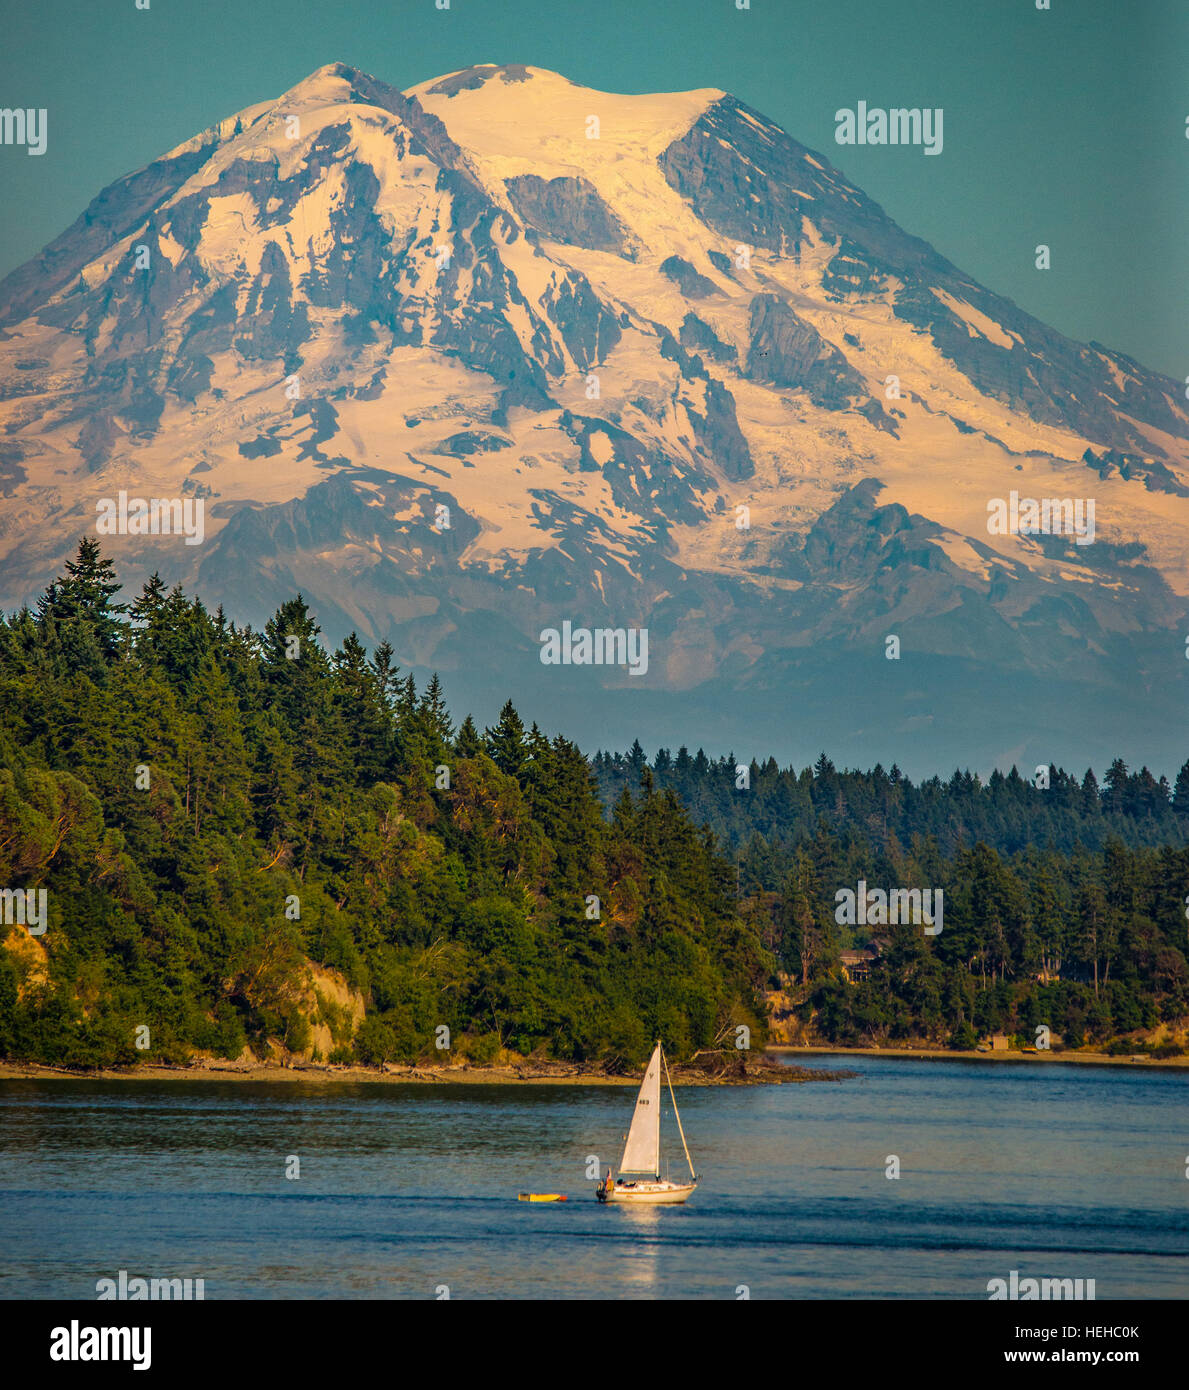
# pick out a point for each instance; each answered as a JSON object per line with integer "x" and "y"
{"x": 677, "y": 1116}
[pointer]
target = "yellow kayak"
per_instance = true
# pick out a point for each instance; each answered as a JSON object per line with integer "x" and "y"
{"x": 541, "y": 1197}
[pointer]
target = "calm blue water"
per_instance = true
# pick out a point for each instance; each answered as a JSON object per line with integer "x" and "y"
{"x": 1057, "y": 1171}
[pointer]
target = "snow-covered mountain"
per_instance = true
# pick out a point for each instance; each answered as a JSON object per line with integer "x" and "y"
{"x": 594, "y": 327}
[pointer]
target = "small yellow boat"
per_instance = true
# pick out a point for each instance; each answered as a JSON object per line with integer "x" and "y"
{"x": 541, "y": 1197}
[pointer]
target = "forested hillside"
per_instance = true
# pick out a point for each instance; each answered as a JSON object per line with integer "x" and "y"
{"x": 246, "y": 841}
{"x": 240, "y": 834}
{"x": 1064, "y": 906}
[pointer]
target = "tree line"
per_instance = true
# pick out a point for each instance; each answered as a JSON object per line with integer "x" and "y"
{"x": 778, "y": 807}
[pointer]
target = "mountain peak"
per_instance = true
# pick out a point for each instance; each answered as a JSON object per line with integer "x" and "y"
{"x": 523, "y": 120}
{"x": 537, "y": 83}
{"x": 335, "y": 70}
{"x": 332, "y": 82}
{"x": 588, "y": 328}
{"x": 479, "y": 74}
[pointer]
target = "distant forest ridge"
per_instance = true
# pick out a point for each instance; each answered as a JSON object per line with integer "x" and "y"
{"x": 1006, "y": 811}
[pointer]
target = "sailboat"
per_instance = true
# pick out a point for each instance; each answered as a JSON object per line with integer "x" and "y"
{"x": 642, "y": 1153}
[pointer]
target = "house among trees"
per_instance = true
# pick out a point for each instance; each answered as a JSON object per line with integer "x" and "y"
{"x": 856, "y": 965}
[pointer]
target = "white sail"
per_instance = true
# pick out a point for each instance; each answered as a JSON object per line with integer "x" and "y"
{"x": 642, "y": 1152}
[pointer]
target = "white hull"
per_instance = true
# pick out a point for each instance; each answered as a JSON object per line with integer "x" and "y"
{"x": 647, "y": 1192}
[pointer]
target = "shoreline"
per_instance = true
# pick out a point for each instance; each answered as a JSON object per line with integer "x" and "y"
{"x": 309, "y": 1075}
{"x": 771, "y": 1073}
{"x": 943, "y": 1054}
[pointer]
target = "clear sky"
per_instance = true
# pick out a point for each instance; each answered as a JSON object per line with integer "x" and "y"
{"x": 1065, "y": 126}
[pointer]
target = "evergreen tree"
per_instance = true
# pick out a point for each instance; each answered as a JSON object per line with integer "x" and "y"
{"x": 505, "y": 743}
{"x": 85, "y": 595}
{"x": 468, "y": 744}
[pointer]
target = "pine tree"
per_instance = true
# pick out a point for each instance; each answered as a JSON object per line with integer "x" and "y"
{"x": 387, "y": 675}
{"x": 358, "y": 698}
{"x": 435, "y": 713}
{"x": 83, "y": 600}
{"x": 468, "y": 744}
{"x": 1049, "y": 923}
{"x": 1115, "y": 787}
{"x": 823, "y": 767}
{"x": 150, "y": 601}
{"x": 505, "y": 743}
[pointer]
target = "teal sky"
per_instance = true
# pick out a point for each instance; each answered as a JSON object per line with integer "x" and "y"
{"x": 1066, "y": 127}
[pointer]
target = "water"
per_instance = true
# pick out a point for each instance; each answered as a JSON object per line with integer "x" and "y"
{"x": 1057, "y": 1171}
